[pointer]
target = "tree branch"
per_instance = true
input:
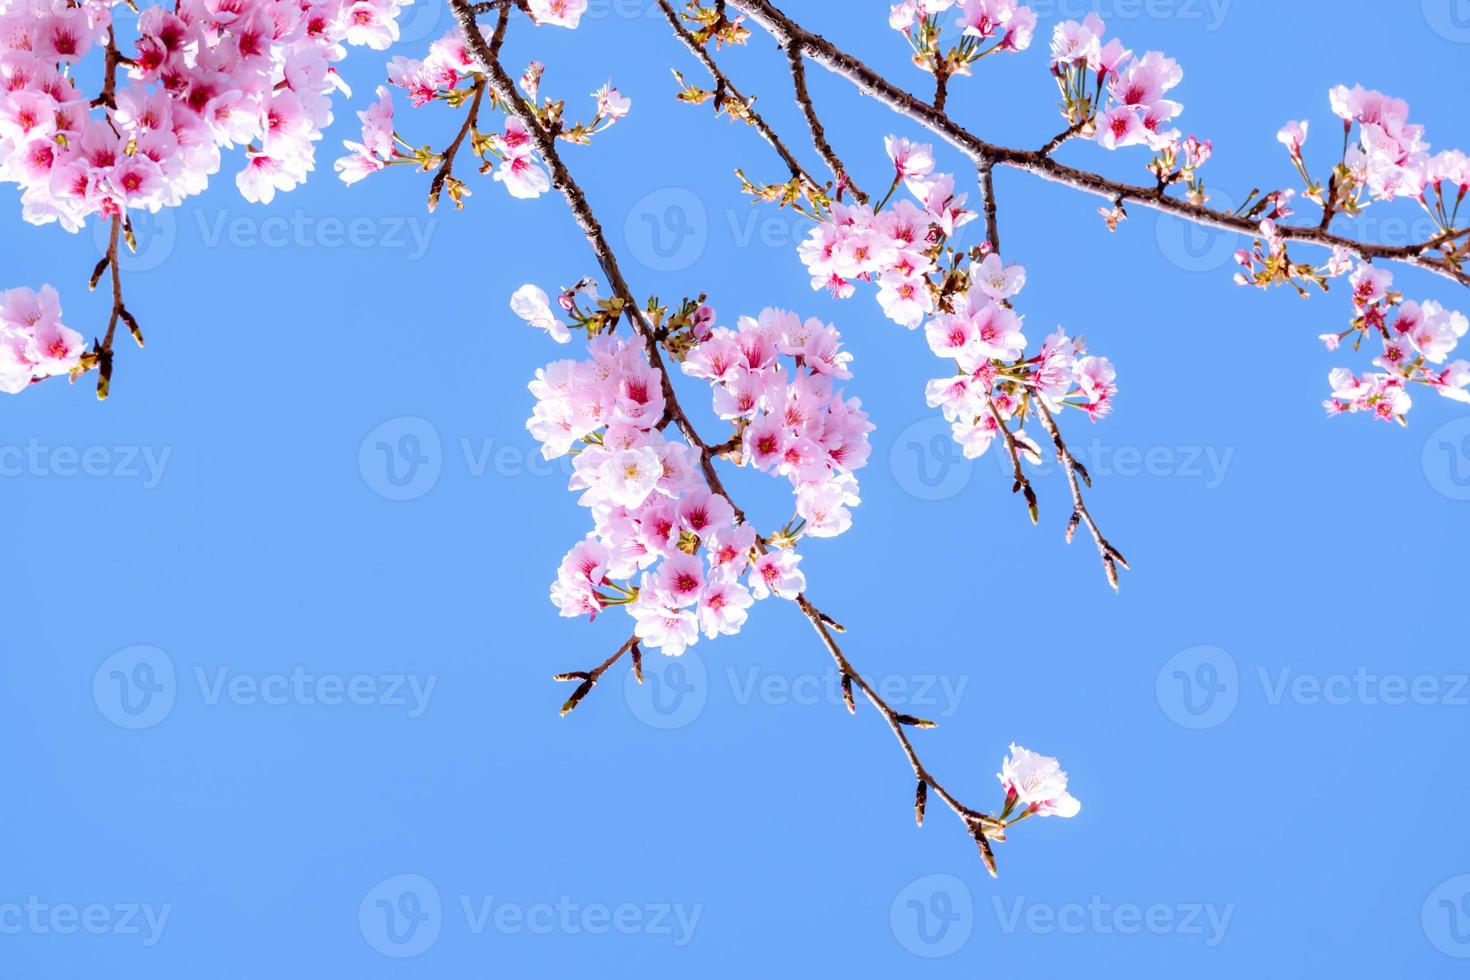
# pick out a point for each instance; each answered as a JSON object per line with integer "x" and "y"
{"x": 819, "y": 132}
{"x": 982, "y": 826}
{"x": 798, "y": 172}
{"x": 787, "y": 33}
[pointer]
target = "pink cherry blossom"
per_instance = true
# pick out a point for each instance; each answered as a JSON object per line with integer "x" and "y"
{"x": 1037, "y": 783}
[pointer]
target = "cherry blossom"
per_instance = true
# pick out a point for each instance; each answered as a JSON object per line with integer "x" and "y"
{"x": 1036, "y": 783}
{"x": 34, "y": 344}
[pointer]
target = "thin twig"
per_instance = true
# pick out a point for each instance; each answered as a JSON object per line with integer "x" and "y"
{"x": 446, "y": 168}
{"x": 1077, "y": 474}
{"x": 798, "y": 172}
{"x": 814, "y": 123}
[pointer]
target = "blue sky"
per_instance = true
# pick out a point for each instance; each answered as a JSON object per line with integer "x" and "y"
{"x": 352, "y": 751}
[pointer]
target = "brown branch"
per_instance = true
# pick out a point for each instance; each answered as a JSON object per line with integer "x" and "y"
{"x": 814, "y": 122}
{"x": 978, "y": 824}
{"x": 798, "y": 172}
{"x": 486, "y": 61}
{"x": 1076, "y": 475}
{"x": 1062, "y": 137}
{"x": 589, "y": 678}
{"x": 941, "y": 87}
{"x": 1022, "y": 483}
{"x": 787, "y": 32}
{"x": 446, "y": 168}
{"x": 986, "y": 171}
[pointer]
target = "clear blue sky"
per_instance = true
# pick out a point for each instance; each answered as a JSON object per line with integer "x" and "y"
{"x": 352, "y": 688}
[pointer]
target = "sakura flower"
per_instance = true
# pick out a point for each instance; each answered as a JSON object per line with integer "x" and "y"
{"x": 667, "y": 628}
{"x": 776, "y": 574}
{"x": 558, "y": 13}
{"x": 1370, "y": 284}
{"x": 1121, "y": 126}
{"x": 531, "y": 304}
{"x": 377, "y": 125}
{"x": 912, "y": 162}
{"x": 996, "y": 280}
{"x": 723, "y": 608}
{"x": 34, "y": 344}
{"x": 1036, "y": 782}
{"x": 905, "y": 300}
{"x": 612, "y": 104}
{"x": 1293, "y": 135}
{"x": 523, "y": 177}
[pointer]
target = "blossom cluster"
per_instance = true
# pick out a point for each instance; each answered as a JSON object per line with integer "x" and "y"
{"x": 203, "y": 76}
{"x": 34, "y": 344}
{"x": 1105, "y": 86}
{"x": 981, "y": 336}
{"x": 439, "y": 77}
{"x": 1389, "y": 159}
{"x": 895, "y": 247}
{"x": 970, "y": 322}
{"x": 1012, "y": 23}
{"x": 1417, "y": 342}
{"x": 792, "y": 423}
{"x": 664, "y": 545}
